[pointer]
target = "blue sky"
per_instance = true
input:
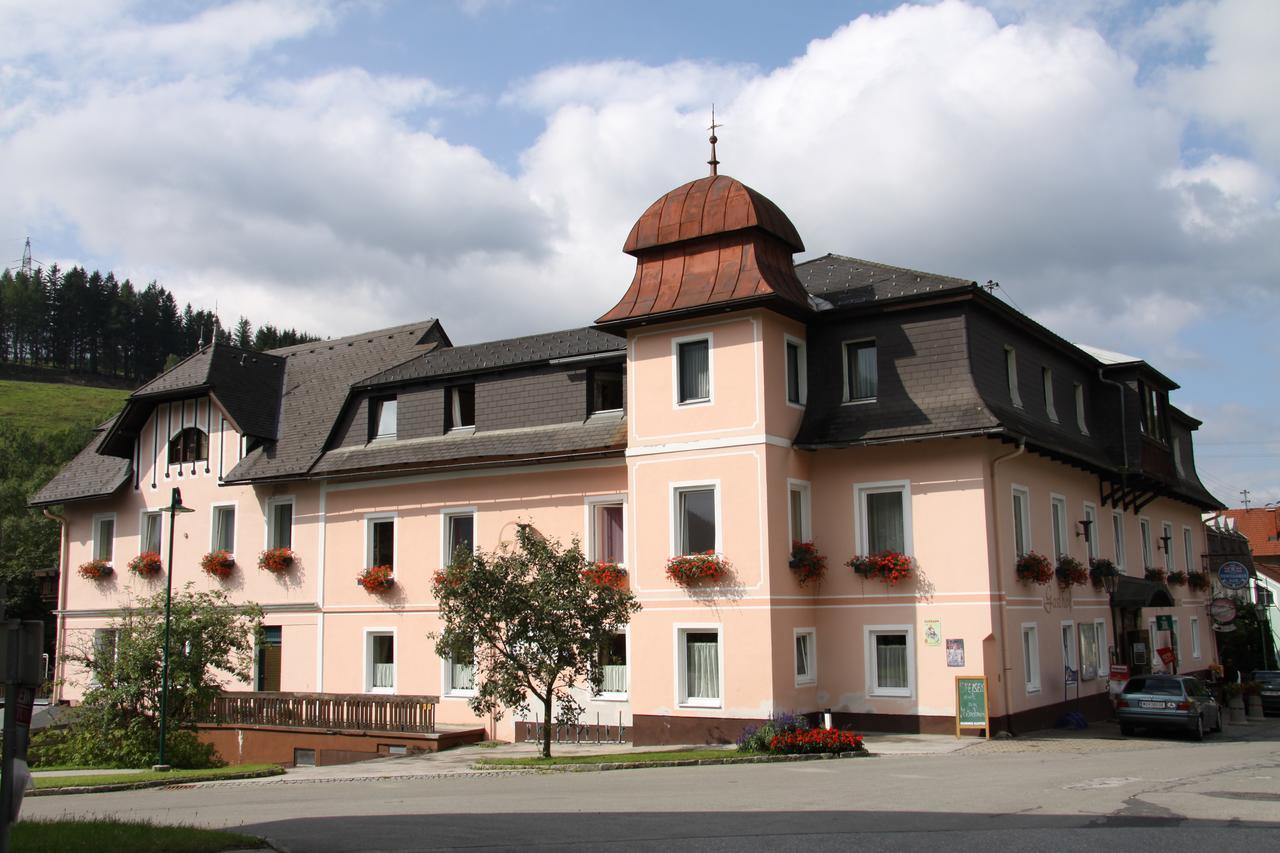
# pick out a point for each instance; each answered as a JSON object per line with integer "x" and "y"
{"x": 343, "y": 165}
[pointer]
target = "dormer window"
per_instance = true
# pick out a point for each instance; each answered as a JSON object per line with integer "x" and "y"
{"x": 1049, "y": 409}
{"x": 460, "y": 408}
{"x": 861, "y": 375}
{"x": 189, "y": 445}
{"x": 1153, "y": 402}
{"x": 1011, "y": 372}
{"x": 606, "y": 389}
{"x": 382, "y": 418}
{"x": 1080, "y": 421}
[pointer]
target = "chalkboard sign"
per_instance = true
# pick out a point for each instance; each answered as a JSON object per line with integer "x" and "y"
{"x": 971, "y": 703}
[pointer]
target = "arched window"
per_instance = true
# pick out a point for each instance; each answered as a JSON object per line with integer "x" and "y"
{"x": 190, "y": 445}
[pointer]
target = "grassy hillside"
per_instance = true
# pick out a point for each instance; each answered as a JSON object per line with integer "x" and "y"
{"x": 45, "y": 406}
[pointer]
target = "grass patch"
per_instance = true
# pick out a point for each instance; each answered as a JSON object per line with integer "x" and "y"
{"x": 612, "y": 757}
{"x": 71, "y": 767}
{"x": 172, "y": 777}
{"x": 108, "y": 835}
{"x": 40, "y": 406}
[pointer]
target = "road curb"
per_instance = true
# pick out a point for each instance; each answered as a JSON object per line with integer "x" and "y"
{"x": 150, "y": 783}
{"x": 688, "y": 762}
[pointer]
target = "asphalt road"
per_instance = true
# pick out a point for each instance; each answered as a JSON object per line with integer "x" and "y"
{"x": 1173, "y": 795}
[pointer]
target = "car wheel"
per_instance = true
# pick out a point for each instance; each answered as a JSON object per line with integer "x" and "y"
{"x": 1127, "y": 729}
{"x": 1217, "y": 723}
{"x": 1197, "y": 733}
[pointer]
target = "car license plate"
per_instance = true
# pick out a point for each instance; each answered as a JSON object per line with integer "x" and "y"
{"x": 1151, "y": 704}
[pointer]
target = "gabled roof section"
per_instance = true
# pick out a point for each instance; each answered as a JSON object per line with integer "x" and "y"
{"x": 1261, "y": 526}
{"x": 845, "y": 282}
{"x": 493, "y": 355}
{"x": 88, "y": 475}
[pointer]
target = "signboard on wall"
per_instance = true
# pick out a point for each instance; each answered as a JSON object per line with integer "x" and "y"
{"x": 933, "y": 632}
{"x": 1164, "y": 622}
{"x": 971, "y": 704}
{"x": 955, "y": 652}
{"x": 1233, "y": 575}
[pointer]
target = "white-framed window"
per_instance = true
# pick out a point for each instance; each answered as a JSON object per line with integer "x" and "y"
{"x": 380, "y": 660}
{"x": 460, "y": 408}
{"x": 460, "y": 670}
{"x": 151, "y": 531}
{"x": 606, "y": 528}
{"x": 1177, "y": 456}
{"x": 458, "y": 531}
{"x": 797, "y": 379}
{"x": 1011, "y": 374}
{"x": 861, "y": 372}
{"x": 1021, "y": 522}
{"x": 806, "y": 644}
{"x": 884, "y": 517}
{"x": 1031, "y": 657}
{"x": 1195, "y": 637}
{"x": 1188, "y": 549}
{"x": 613, "y": 662}
{"x": 106, "y": 652}
{"x": 891, "y": 663}
{"x": 700, "y": 666}
{"x": 799, "y": 526}
{"x": 382, "y": 418}
{"x": 1046, "y": 376}
{"x": 607, "y": 392}
{"x": 696, "y": 524}
{"x": 380, "y": 539}
{"x": 1080, "y": 419}
{"x": 1069, "y": 661}
{"x": 1092, "y": 644}
{"x": 1091, "y": 516}
{"x": 223, "y": 523}
{"x": 1117, "y": 528}
{"x": 280, "y": 522}
{"x": 1166, "y": 542}
{"x": 1144, "y": 533}
{"x": 691, "y": 361}
{"x": 104, "y": 537}
{"x": 1058, "y": 523}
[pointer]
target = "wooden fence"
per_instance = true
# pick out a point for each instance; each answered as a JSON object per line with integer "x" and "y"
{"x": 331, "y": 711}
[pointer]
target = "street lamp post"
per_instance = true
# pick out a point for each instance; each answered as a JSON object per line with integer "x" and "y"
{"x": 174, "y": 509}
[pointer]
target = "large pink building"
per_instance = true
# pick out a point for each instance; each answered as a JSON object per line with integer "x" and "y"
{"x": 732, "y": 401}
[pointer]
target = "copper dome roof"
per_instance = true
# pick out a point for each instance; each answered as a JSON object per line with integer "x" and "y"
{"x": 706, "y": 207}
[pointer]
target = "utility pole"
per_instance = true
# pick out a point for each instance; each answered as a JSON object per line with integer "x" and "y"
{"x": 1244, "y": 493}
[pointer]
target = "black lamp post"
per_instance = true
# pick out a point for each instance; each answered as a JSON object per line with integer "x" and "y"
{"x": 175, "y": 507}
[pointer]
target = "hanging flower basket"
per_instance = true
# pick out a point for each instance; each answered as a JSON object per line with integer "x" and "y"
{"x": 1035, "y": 568}
{"x": 1198, "y": 581}
{"x": 275, "y": 560}
{"x": 807, "y": 563}
{"x": 888, "y": 566}
{"x": 605, "y": 574}
{"x": 1071, "y": 572}
{"x": 376, "y": 579}
{"x": 690, "y": 569}
{"x": 1157, "y": 575}
{"x": 220, "y": 564}
{"x": 1177, "y": 578}
{"x": 146, "y": 565}
{"x": 95, "y": 570}
{"x": 1100, "y": 568}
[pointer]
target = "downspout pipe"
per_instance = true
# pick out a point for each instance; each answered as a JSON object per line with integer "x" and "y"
{"x": 998, "y": 583}
{"x": 63, "y": 557}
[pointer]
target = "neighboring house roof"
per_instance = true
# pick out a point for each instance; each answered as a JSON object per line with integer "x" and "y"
{"x": 844, "y": 281}
{"x": 1108, "y": 357}
{"x": 1261, "y": 525}
{"x": 88, "y": 475}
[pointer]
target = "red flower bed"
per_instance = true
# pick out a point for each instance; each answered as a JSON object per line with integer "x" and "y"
{"x": 376, "y": 579}
{"x": 1071, "y": 572}
{"x": 697, "y": 568}
{"x": 888, "y": 566}
{"x": 605, "y": 574}
{"x": 807, "y": 563}
{"x": 95, "y": 570}
{"x": 146, "y": 565}
{"x": 275, "y": 560}
{"x": 815, "y": 740}
{"x": 1035, "y": 568}
{"x": 218, "y": 563}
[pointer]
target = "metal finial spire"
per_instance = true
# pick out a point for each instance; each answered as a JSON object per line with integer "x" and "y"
{"x": 713, "y": 162}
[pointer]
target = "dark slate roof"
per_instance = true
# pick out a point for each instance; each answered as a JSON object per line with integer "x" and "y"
{"x": 318, "y": 377}
{"x": 846, "y": 282}
{"x": 490, "y": 355}
{"x": 599, "y": 434}
{"x": 88, "y": 475}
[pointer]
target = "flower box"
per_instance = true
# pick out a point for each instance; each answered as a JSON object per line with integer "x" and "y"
{"x": 1034, "y": 568}
{"x": 690, "y": 569}
{"x": 275, "y": 560}
{"x": 146, "y": 565}
{"x": 95, "y": 570}
{"x": 811, "y": 741}
{"x": 888, "y": 566}
{"x": 605, "y": 574}
{"x": 1198, "y": 581}
{"x": 1100, "y": 568}
{"x": 220, "y": 564}
{"x": 1177, "y": 578}
{"x": 807, "y": 563}
{"x": 1071, "y": 572}
{"x": 1157, "y": 575}
{"x": 376, "y": 579}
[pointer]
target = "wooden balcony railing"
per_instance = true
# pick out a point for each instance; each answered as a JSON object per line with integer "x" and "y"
{"x": 331, "y": 711}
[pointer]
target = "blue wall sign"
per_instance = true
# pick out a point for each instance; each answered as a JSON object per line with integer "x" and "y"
{"x": 1233, "y": 575}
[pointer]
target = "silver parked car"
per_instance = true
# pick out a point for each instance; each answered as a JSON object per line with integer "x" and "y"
{"x": 1168, "y": 702}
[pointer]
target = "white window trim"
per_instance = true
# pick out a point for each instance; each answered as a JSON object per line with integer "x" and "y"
{"x": 1188, "y": 548}
{"x": 375, "y": 416}
{"x": 96, "y": 533}
{"x": 369, "y": 634}
{"x": 213, "y": 524}
{"x": 869, "y": 633}
{"x": 369, "y": 519}
{"x": 680, "y": 631}
{"x": 1147, "y": 546}
{"x": 1091, "y": 549}
{"x": 675, "y": 371}
{"x": 268, "y": 525}
{"x": 674, "y": 498}
{"x": 1170, "y": 563}
{"x": 591, "y": 503}
{"x": 1195, "y": 638}
{"x": 1025, "y": 494}
{"x": 1080, "y": 418}
{"x": 812, "y": 678}
{"x": 1046, "y": 375}
{"x": 620, "y": 696}
{"x": 805, "y": 534}
{"x": 1073, "y": 640}
{"x": 452, "y": 512}
{"x": 446, "y": 677}
{"x": 455, "y": 410}
{"x": 142, "y": 528}
{"x": 1011, "y": 375}
{"x": 803, "y": 379}
{"x": 1060, "y": 501}
{"x": 845, "y": 399}
{"x": 1118, "y": 538}
{"x": 1033, "y": 684}
{"x": 1104, "y": 655}
{"x": 861, "y": 490}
